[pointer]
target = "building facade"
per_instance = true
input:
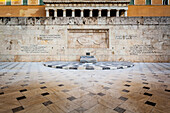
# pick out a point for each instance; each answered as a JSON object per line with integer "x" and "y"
{"x": 83, "y": 8}
{"x": 148, "y": 8}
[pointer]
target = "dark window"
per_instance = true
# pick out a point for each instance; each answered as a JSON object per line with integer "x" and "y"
{"x": 59, "y": 13}
{"x": 86, "y": 13}
{"x": 132, "y": 2}
{"x": 77, "y": 13}
{"x": 51, "y": 13}
{"x": 95, "y": 13}
{"x": 104, "y": 13}
{"x": 68, "y": 13}
{"x": 8, "y": 2}
{"x": 25, "y": 2}
{"x": 113, "y": 13}
{"x": 122, "y": 13}
{"x": 165, "y": 2}
{"x": 41, "y": 2}
{"x": 148, "y": 2}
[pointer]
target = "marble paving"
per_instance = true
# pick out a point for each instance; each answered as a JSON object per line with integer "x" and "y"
{"x": 88, "y": 66}
{"x": 30, "y": 87}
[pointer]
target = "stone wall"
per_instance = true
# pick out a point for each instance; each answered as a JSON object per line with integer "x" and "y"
{"x": 66, "y": 39}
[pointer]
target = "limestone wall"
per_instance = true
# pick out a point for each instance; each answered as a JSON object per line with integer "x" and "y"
{"x": 66, "y": 39}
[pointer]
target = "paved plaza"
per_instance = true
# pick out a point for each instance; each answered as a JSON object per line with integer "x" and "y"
{"x": 30, "y": 87}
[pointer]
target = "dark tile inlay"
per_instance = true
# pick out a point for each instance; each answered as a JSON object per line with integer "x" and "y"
{"x": 91, "y": 94}
{"x": 65, "y": 90}
{"x": 106, "y": 88}
{"x": 144, "y": 79}
{"x": 82, "y": 88}
{"x": 47, "y": 103}
{"x": 71, "y": 98}
{"x": 119, "y": 110}
{"x": 20, "y": 98}
{"x": 4, "y": 87}
{"x": 150, "y": 103}
{"x": 17, "y": 109}
{"x": 101, "y": 94}
{"x": 1, "y": 93}
{"x": 167, "y": 90}
{"x": 148, "y": 94}
{"x": 123, "y": 98}
{"x": 146, "y": 87}
{"x": 124, "y": 90}
{"x": 24, "y": 85}
{"x": 161, "y": 81}
{"x": 110, "y": 83}
{"x": 43, "y": 87}
{"x": 23, "y": 90}
{"x": 61, "y": 85}
{"x": 44, "y": 94}
{"x": 145, "y": 83}
{"x": 80, "y": 110}
{"x": 42, "y": 82}
{"x": 128, "y": 81}
{"x": 127, "y": 85}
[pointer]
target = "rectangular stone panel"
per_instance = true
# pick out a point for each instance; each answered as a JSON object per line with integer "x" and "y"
{"x": 16, "y": 2}
{"x": 2, "y": 2}
{"x": 88, "y": 38}
{"x": 33, "y": 2}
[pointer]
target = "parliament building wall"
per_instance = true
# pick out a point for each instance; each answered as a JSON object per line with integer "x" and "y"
{"x": 133, "y": 39}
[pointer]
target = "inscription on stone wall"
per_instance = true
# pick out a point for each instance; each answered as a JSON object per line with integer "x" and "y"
{"x": 142, "y": 49}
{"x": 48, "y": 37}
{"x": 125, "y": 37}
{"x": 34, "y": 49}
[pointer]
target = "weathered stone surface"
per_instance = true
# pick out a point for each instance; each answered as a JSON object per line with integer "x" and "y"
{"x": 66, "y": 39}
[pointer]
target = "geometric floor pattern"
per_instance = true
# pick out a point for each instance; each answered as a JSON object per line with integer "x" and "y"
{"x": 89, "y": 66}
{"x": 30, "y": 87}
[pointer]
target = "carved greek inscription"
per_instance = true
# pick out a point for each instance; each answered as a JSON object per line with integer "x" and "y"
{"x": 125, "y": 37}
{"x": 34, "y": 49}
{"x": 48, "y": 37}
{"x": 141, "y": 49}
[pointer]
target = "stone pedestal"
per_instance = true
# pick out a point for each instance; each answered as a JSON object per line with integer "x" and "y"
{"x": 88, "y": 59}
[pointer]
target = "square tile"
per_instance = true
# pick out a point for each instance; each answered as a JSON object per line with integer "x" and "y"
{"x": 148, "y": 94}
{"x": 44, "y": 87}
{"x": 21, "y": 98}
{"x": 60, "y": 85}
{"x": 127, "y": 85}
{"x": 45, "y": 94}
{"x": 71, "y": 98}
{"x": 150, "y": 103}
{"x": 47, "y": 103}
{"x": 123, "y": 98}
{"x": 119, "y": 110}
{"x": 65, "y": 90}
{"x": 146, "y": 87}
{"x": 17, "y": 109}
{"x": 167, "y": 90}
{"x": 23, "y": 90}
{"x": 101, "y": 94}
{"x": 106, "y": 88}
{"x": 124, "y": 90}
{"x": 1, "y": 93}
